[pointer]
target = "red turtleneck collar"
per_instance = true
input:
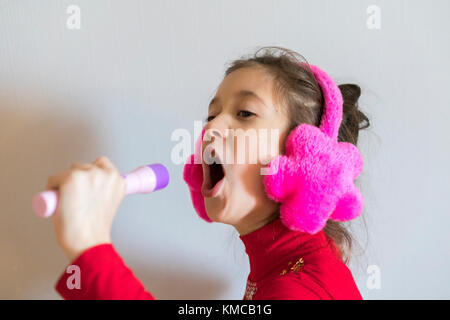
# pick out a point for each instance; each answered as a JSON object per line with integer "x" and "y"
{"x": 288, "y": 264}
{"x": 272, "y": 245}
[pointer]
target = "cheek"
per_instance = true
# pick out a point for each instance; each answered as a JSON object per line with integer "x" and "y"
{"x": 270, "y": 146}
{"x": 252, "y": 194}
{"x": 251, "y": 182}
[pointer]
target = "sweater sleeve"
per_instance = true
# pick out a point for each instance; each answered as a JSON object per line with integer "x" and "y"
{"x": 99, "y": 273}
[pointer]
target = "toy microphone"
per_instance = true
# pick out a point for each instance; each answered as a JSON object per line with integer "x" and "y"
{"x": 144, "y": 179}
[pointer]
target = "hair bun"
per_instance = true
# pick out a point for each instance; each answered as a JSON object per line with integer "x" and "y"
{"x": 353, "y": 119}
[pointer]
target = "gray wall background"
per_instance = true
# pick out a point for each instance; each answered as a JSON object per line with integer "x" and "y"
{"x": 137, "y": 70}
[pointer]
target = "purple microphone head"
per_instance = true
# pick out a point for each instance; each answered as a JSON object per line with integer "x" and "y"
{"x": 162, "y": 175}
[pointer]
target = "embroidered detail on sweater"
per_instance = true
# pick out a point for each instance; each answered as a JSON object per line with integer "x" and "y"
{"x": 295, "y": 268}
{"x": 250, "y": 290}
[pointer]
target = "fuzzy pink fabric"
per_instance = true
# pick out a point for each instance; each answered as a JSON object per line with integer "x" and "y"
{"x": 193, "y": 176}
{"x": 314, "y": 180}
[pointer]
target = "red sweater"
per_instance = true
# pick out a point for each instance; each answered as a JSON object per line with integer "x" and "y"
{"x": 284, "y": 264}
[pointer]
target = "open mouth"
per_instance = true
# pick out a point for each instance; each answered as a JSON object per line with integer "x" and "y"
{"x": 216, "y": 173}
{"x": 214, "y": 177}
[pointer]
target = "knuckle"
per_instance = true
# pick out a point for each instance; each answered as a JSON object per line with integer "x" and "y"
{"x": 111, "y": 170}
{"x": 103, "y": 158}
{"x": 97, "y": 173}
{"x": 75, "y": 175}
{"x": 105, "y": 172}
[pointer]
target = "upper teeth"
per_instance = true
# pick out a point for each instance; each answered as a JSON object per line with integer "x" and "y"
{"x": 213, "y": 159}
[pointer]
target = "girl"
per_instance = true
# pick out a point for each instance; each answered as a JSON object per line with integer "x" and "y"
{"x": 267, "y": 91}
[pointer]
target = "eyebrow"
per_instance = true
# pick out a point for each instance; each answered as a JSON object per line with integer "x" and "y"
{"x": 240, "y": 94}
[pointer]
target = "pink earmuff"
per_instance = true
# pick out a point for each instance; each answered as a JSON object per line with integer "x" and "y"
{"x": 193, "y": 176}
{"x": 314, "y": 180}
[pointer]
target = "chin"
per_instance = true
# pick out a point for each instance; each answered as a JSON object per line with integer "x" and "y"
{"x": 224, "y": 215}
{"x": 215, "y": 210}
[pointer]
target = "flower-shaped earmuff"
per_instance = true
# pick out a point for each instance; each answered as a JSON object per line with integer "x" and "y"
{"x": 193, "y": 176}
{"x": 314, "y": 180}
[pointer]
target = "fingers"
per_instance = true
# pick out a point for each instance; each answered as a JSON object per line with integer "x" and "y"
{"x": 56, "y": 180}
{"x": 81, "y": 166}
{"x": 101, "y": 162}
{"x": 104, "y": 163}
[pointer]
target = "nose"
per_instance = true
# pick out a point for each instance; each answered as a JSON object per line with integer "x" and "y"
{"x": 212, "y": 134}
{"x": 216, "y": 130}
{"x": 215, "y": 137}
{"x": 217, "y": 134}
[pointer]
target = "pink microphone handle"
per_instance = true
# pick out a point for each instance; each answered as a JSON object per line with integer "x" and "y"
{"x": 144, "y": 179}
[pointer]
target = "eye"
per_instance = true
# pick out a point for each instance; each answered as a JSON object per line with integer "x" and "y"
{"x": 208, "y": 119}
{"x": 245, "y": 113}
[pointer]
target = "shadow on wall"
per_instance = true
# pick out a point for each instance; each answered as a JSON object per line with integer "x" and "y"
{"x": 37, "y": 141}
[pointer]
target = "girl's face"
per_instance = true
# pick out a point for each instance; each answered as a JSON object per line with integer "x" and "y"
{"x": 234, "y": 192}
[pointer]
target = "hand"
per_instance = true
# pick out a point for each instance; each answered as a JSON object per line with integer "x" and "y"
{"x": 89, "y": 196}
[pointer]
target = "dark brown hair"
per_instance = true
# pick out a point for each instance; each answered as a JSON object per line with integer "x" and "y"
{"x": 296, "y": 88}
